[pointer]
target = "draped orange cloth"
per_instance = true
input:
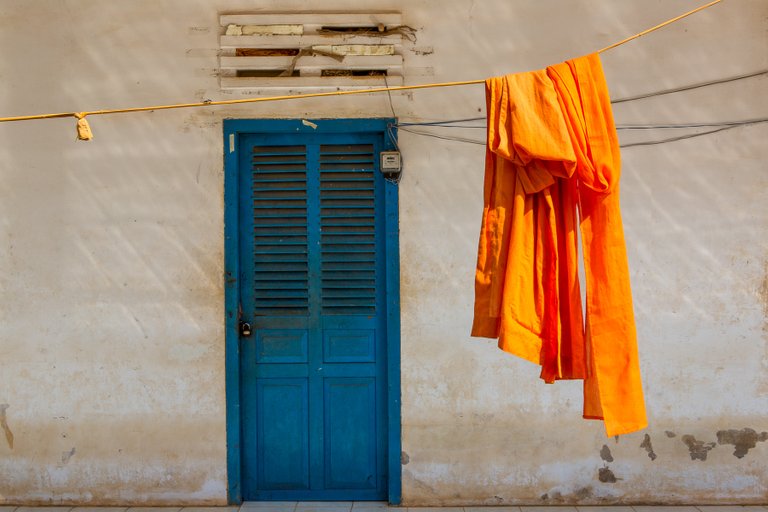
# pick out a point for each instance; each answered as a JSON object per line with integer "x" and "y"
{"x": 552, "y": 151}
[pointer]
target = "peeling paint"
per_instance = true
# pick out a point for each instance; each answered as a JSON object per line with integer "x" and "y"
{"x": 744, "y": 439}
{"x": 423, "y": 50}
{"x": 669, "y": 433}
{"x": 605, "y": 475}
{"x": 698, "y": 449}
{"x": 605, "y": 453}
{"x": 648, "y": 447}
{"x": 404, "y": 458}
{"x": 4, "y": 425}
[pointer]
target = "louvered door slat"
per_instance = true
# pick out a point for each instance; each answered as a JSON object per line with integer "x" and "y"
{"x": 280, "y": 256}
{"x": 347, "y": 217}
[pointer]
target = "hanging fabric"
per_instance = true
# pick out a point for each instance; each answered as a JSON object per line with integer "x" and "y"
{"x": 552, "y": 166}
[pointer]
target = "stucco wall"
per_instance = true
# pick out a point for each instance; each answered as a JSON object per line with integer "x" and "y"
{"x": 111, "y": 311}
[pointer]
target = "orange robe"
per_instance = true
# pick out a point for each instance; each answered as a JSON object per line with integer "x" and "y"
{"x": 552, "y": 151}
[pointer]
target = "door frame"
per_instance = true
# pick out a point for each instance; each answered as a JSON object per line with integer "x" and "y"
{"x": 232, "y": 130}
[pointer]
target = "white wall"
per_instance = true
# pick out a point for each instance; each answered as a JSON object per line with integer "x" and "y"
{"x": 111, "y": 311}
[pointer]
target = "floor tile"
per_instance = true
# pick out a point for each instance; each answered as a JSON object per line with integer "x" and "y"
{"x": 378, "y": 508}
{"x": 435, "y": 509}
{"x": 385, "y": 508}
{"x": 323, "y": 507}
{"x": 99, "y": 509}
{"x": 548, "y": 509}
{"x": 665, "y": 508}
{"x": 8, "y": 508}
{"x": 493, "y": 509}
{"x": 43, "y": 509}
{"x": 203, "y": 509}
{"x": 608, "y": 508}
{"x": 731, "y": 508}
{"x": 274, "y": 508}
{"x": 268, "y": 504}
{"x": 154, "y": 509}
{"x": 323, "y": 504}
{"x": 370, "y": 505}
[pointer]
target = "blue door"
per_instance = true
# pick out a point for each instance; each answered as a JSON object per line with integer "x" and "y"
{"x": 312, "y": 314}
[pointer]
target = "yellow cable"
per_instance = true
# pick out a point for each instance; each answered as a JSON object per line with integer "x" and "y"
{"x": 660, "y": 25}
{"x": 81, "y": 115}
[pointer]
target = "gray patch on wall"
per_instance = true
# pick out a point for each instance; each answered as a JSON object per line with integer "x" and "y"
{"x": 65, "y": 456}
{"x": 648, "y": 447}
{"x": 605, "y": 453}
{"x": 744, "y": 439}
{"x": 404, "y": 458}
{"x": 669, "y": 433}
{"x": 698, "y": 449}
{"x": 4, "y": 425}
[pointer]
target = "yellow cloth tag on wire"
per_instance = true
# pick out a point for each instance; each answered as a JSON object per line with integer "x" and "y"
{"x": 83, "y": 128}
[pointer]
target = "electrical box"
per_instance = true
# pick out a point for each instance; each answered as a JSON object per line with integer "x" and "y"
{"x": 391, "y": 164}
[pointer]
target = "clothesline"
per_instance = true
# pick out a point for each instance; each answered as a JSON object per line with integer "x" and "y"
{"x": 407, "y": 126}
{"x": 84, "y": 129}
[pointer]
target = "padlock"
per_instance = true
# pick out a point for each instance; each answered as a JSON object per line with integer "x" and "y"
{"x": 245, "y": 329}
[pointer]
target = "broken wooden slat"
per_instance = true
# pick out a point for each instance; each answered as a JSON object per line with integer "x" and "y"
{"x": 353, "y": 62}
{"x": 313, "y": 50}
{"x": 267, "y": 41}
{"x": 326, "y": 19}
{"x": 294, "y": 82}
{"x": 277, "y": 30}
{"x": 356, "y": 49}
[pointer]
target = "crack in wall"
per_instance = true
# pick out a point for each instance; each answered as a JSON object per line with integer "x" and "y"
{"x": 4, "y": 425}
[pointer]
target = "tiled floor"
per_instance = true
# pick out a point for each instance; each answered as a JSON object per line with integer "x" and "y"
{"x": 376, "y": 506}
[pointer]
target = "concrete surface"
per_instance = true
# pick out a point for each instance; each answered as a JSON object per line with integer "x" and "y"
{"x": 111, "y": 311}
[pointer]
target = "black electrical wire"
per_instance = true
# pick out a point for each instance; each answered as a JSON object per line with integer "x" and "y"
{"x": 692, "y": 135}
{"x": 444, "y": 137}
{"x": 690, "y": 87}
{"x": 688, "y": 125}
{"x": 449, "y": 123}
{"x": 721, "y": 125}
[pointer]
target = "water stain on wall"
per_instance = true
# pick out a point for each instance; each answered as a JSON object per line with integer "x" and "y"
{"x": 744, "y": 439}
{"x": 698, "y": 449}
{"x": 762, "y": 297}
{"x": 605, "y": 474}
{"x": 65, "y": 456}
{"x": 558, "y": 498}
{"x": 648, "y": 447}
{"x": 4, "y": 425}
{"x": 762, "y": 293}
